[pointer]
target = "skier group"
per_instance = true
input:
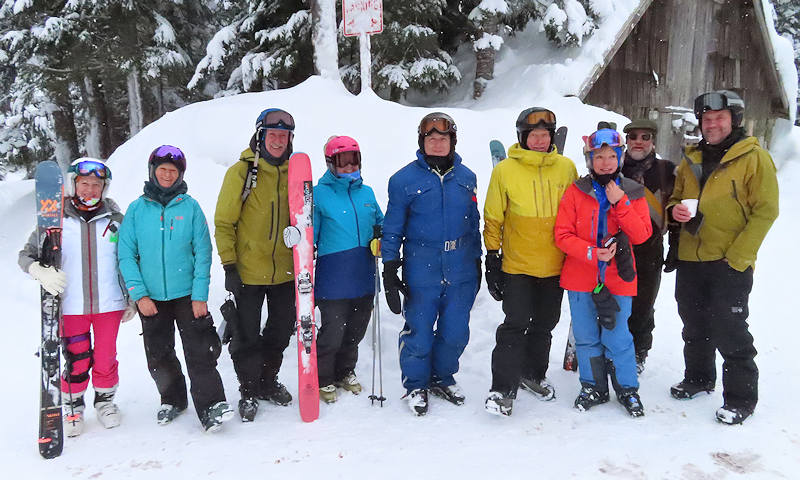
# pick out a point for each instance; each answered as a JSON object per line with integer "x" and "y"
{"x": 599, "y": 237}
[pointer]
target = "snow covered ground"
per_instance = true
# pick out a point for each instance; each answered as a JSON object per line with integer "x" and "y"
{"x": 353, "y": 439}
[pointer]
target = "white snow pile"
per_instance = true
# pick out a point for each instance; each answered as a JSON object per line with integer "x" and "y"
{"x": 353, "y": 439}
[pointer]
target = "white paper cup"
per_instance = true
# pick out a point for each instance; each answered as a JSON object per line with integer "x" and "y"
{"x": 691, "y": 204}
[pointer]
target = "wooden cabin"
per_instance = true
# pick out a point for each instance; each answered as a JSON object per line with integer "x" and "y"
{"x": 669, "y": 51}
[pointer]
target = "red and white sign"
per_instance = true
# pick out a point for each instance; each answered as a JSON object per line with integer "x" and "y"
{"x": 362, "y": 16}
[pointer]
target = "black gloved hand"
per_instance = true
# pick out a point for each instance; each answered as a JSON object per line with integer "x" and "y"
{"x": 606, "y": 305}
{"x": 233, "y": 282}
{"x": 479, "y": 265}
{"x": 392, "y": 285}
{"x": 495, "y": 281}
{"x": 671, "y": 260}
{"x": 624, "y": 257}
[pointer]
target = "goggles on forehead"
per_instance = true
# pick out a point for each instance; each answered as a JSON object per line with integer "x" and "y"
{"x": 439, "y": 124}
{"x": 605, "y": 136}
{"x": 544, "y": 116}
{"x": 344, "y": 159}
{"x": 168, "y": 153}
{"x": 710, "y": 101}
{"x": 91, "y": 167}
{"x": 277, "y": 119}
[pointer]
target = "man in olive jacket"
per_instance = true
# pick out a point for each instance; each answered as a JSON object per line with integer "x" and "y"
{"x": 735, "y": 183}
{"x": 252, "y": 212}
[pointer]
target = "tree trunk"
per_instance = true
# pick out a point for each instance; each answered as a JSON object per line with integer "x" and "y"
{"x": 65, "y": 135}
{"x": 98, "y": 142}
{"x": 135, "y": 108}
{"x": 325, "y": 38}
{"x": 484, "y": 70}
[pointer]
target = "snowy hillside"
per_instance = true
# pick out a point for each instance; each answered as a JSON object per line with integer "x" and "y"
{"x": 355, "y": 440}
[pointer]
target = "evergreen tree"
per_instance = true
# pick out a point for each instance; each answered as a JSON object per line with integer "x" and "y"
{"x": 787, "y": 23}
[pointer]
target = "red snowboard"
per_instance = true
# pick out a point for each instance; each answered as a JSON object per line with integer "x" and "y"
{"x": 301, "y": 207}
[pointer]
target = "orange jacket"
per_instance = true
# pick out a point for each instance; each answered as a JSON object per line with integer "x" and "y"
{"x": 576, "y": 234}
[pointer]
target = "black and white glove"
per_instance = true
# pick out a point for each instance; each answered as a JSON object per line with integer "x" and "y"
{"x": 291, "y": 236}
{"x": 393, "y": 286}
{"x": 233, "y": 282}
{"x": 495, "y": 281}
{"x": 607, "y": 307}
{"x": 52, "y": 280}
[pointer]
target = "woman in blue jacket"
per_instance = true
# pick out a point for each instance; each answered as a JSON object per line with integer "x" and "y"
{"x": 165, "y": 258}
{"x": 345, "y": 214}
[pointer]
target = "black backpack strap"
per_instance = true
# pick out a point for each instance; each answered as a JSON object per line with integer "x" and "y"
{"x": 251, "y": 181}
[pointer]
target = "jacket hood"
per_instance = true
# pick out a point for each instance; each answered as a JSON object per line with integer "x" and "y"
{"x": 531, "y": 157}
{"x": 338, "y": 182}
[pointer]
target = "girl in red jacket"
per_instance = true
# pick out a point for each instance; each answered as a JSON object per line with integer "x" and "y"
{"x": 600, "y": 215}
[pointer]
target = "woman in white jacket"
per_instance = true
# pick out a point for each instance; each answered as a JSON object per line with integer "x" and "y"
{"x": 91, "y": 290}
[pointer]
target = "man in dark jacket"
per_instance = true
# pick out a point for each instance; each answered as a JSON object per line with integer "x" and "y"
{"x": 433, "y": 215}
{"x": 732, "y": 183}
{"x": 658, "y": 177}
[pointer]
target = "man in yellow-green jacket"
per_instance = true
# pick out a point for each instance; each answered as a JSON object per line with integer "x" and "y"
{"x": 523, "y": 264}
{"x": 252, "y": 212}
{"x": 725, "y": 198}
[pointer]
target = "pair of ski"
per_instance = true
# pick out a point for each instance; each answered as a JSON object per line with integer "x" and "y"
{"x": 498, "y": 153}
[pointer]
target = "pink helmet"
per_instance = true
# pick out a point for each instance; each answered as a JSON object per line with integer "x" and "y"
{"x": 336, "y": 154}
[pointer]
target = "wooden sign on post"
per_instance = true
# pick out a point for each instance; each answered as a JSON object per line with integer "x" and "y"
{"x": 363, "y": 18}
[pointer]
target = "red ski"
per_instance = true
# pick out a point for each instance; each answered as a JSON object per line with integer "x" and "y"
{"x": 301, "y": 207}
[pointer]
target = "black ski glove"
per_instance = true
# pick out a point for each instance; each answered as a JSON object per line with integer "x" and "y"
{"x": 495, "y": 281}
{"x": 624, "y": 257}
{"x": 233, "y": 282}
{"x": 606, "y": 305}
{"x": 393, "y": 286}
{"x": 671, "y": 260}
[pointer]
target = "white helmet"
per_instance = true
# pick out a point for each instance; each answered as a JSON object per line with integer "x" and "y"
{"x": 83, "y": 167}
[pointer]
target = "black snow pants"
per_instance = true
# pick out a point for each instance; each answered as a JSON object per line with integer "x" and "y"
{"x": 344, "y": 323}
{"x": 201, "y": 348}
{"x": 257, "y": 354}
{"x": 533, "y": 307}
{"x": 649, "y": 260}
{"x": 712, "y": 302}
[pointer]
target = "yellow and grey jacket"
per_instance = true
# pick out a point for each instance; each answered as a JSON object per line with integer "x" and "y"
{"x": 521, "y": 208}
{"x": 739, "y": 202}
{"x": 250, "y": 234}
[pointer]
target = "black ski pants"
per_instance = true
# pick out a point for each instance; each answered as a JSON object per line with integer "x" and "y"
{"x": 533, "y": 307}
{"x": 649, "y": 260}
{"x": 257, "y": 354}
{"x": 712, "y": 302}
{"x": 201, "y": 349}
{"x": 344, "y": 323}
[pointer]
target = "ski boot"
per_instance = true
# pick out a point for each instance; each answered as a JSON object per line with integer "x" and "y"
{"x": 73, "y": 414}
{"x": 687, "y": 389}
{"x": 248, "y": 407}
{"x": 417, "y": 401}
{"x": 499, "y": 404}
{"x": 451, "y": 393}
{"x": 589, "y": 397}
{"x": 214, "y": 415}
{"x": 275, "y": 392}
{"x": 328, "y": 393}
{"x": 541, "y": 389}
{"x": 107, "y": 411}
{"x": 167, "y": 413}
{"x": 731, "y": 415}
{"x": 350, "y": 383}
{"x": 629, "y": 398}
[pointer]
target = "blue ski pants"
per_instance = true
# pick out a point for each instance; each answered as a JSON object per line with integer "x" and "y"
{"x": 595, "y": 342}
{"x": 435, "y": 333}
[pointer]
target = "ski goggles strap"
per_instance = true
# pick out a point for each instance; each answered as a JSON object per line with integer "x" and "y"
{"x": 606, "y": 136}
{"x": 439, "y": 124}
{"x": 91, "y": 167}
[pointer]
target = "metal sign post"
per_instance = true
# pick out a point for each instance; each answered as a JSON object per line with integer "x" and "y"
{"x": 363, "y": 18}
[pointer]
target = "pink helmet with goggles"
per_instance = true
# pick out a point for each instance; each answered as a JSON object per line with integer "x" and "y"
{"x": 341, "y": 151}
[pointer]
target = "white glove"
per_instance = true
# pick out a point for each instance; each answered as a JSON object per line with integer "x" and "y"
{"x": 51, "y": 279}
{"x": 129, "y": 312}
{"x": 291, "y": 236}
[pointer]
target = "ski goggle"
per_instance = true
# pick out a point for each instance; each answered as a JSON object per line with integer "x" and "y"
{"x": 344, "y": 159}
{"x": 168, "y": 153}
{"x": 644, "y": 136}
{"x": 543, "y": 116}
{"x": 713, "y": 101}
{"x": 91, "y": 167}
{"x": 439, "y": 124}
{"x": 605, "y": 136}
{"x": 276, "y": 119}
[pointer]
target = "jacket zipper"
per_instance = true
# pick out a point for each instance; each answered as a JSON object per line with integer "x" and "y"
{"x": 358, "y": 230}
{"x": 736, "y": 197}
{"x": 89, "y": 262}
{"x": 274, "y": 220}
{"x": 163, "y": 248}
